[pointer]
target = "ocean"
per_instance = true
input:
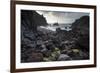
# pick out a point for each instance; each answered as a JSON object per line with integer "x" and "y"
{"x": 66, "y": 27}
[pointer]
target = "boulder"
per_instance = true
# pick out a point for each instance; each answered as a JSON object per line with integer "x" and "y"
{"x": 35, "y": 57}
{"x": 64, "y": 57}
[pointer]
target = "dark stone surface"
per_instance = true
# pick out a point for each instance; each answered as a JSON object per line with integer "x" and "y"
{"x": 64, "y": 57}
{"x": 31, "y": 19}
{"x": 81, "y": 28}
{"x": 35, "y": 57}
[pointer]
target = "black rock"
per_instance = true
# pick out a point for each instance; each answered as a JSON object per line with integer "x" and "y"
{"x": 80, "y": 29}
{"x": 35, "y": 57}
{"x": 64, "y": 57}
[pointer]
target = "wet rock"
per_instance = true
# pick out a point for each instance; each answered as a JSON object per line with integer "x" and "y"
{"x": 35, "y": 57}
{"x": 66, "y": 51}
{"x": 47, "y": 53}
{"x": 77, "y": 54}
{"x": 84, "y": 55}
{"x": 63, "y": 57}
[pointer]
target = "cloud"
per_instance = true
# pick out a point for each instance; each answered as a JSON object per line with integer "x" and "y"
{"x": 61, "y": 17}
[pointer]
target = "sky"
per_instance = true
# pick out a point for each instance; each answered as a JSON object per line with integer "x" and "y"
{"x": 61, "y": 17}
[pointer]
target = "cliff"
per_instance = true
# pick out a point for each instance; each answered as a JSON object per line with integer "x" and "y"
{"x": 81, "y": 31}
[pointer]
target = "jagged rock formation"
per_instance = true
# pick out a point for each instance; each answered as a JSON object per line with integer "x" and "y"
{"x": 30, "y": 20}
{"x": 81, "y": 28}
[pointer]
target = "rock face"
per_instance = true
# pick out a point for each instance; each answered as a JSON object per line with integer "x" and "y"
{"x": 30, "y": 20}
{"x": 81, "y": 28}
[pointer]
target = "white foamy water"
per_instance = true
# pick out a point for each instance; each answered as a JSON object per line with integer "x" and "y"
{"x": 53, "y": 28}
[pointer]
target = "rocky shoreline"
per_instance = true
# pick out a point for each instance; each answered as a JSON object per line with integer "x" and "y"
{"x": 41, "y": 45}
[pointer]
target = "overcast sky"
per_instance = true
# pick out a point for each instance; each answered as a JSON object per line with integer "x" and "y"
{"x": 61, "y": 17}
